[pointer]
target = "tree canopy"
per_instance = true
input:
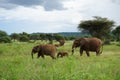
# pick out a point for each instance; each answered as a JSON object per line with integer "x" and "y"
{"x": 98, "y": 27}
{"x": 116, "y": 33}
{"x": 15, "y": 36}
{"x": 4, "y": 38}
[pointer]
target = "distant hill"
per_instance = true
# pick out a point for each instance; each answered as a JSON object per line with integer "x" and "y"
{"x": 74, "y": 34}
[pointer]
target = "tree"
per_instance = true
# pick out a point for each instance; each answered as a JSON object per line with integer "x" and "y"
{"x": 50, "y": 38}
{"x": 98, "y": 27}
{"x": 24, "y": 37}
{"x": 2, "y": 33}
{"x": 15, "y": 36}
{"x": 4, "y": 38}
{"x": 58, "y": 37}
{"x": 35, "y": 36}
{"x": 116, "y": 33}
{"x": 43, "y": 36}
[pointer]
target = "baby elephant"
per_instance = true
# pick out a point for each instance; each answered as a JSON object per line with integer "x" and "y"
{"x": 62, "y": 53}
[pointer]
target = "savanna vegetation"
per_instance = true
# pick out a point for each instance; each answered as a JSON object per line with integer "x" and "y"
{"x": 16, "y": 62}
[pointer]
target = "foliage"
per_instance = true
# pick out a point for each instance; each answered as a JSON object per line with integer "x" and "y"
{"x": 50, "y": 38}
{"x": 4, "y": 38}
{"x": 58, "y": 37}
{"x": 2, "y": 33}
{"x": 98, "y": 27}
{"x": 43, "y": 36}
{"x": 24, "y": 33}
{"x": 15, "y": 36}
{"x": 73, "y": 35}
{"x": 116, "y": 33}
{"x": 35, "y": 36}
{"x": 24, "y": 38}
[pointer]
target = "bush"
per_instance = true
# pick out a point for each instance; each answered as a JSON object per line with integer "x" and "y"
{"x": 5, "y": 39}
{"x": 24, "y": 38}
{"x": 107, "y": 42}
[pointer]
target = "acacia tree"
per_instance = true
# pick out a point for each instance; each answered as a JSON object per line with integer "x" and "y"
{"x": 98, "y": 27}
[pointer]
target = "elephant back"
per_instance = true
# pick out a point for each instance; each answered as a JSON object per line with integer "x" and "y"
{"x": 49, "y": 49}
{"x": 94, "y": 43}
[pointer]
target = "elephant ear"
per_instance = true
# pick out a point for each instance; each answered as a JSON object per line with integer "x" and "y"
{"x": 76, "y": 43}
{"x": 40, "y": 47}
{"x": 37, "y": 48}
{"x": 82, "y": 41}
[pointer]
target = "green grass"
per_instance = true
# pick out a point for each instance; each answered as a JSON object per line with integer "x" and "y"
{"x": 16, "y": 64}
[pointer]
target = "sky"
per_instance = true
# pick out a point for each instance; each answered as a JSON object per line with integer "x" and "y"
{"x": 51, "y": 16}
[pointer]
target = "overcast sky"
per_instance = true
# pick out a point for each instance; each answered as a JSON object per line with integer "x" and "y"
{"x": 53, "y": 15}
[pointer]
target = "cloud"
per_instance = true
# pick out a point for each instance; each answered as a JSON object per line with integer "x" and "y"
{"x": 37, "y": 19}
{"x": 54, "y": 15}
{"x": 116, "y": 1}
{"x": 38, "y": 14}
{"x": 47, "y": 4}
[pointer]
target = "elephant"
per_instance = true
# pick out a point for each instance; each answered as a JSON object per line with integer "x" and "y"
{"x": 57, "y": 45}
{"x": 88, "y": 44}
{"x": 61, "y": 42}
{"x": 44, "y": 49}
{"x": 62, "y": 53}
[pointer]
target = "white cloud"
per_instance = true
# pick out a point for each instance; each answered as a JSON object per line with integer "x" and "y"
{"x": 40, "y": 15}
{"x": 62, "y": 20}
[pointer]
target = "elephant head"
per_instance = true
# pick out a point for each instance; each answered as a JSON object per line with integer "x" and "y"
{"x": 35, "y": 50}
{"x": 61, "y": 42}
{"x": 78, "y": 43}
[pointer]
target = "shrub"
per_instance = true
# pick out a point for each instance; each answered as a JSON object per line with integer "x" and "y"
{"x": 24, "y": 38}
{"x": 5, "y": 39}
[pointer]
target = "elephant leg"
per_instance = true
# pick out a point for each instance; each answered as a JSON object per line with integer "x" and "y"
{"x": 58, "y": 55}
{"x": 81, "y": 51}
{"x": 66, "y": 54}
{"x": 53, "y": 57}
{"x": 61, "y": 55}
{"x": 38, "y": 55}
{"x": 87, "y": 52}
{"x": 42, "y": 56}
{"x": 97, "y": 52}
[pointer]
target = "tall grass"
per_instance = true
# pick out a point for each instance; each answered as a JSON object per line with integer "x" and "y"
{"x": 16, "y": 64}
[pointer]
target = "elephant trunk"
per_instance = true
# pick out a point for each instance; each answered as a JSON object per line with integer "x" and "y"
{"x": 72, "y": 49}
{"x": 32, "y": 54}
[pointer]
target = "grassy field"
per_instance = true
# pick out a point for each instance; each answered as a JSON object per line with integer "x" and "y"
{"x": 16, "y": 64}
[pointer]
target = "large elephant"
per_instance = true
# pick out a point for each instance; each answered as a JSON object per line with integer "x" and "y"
{"x": 44, "y": 49}
{"x": 88, "y": 44}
